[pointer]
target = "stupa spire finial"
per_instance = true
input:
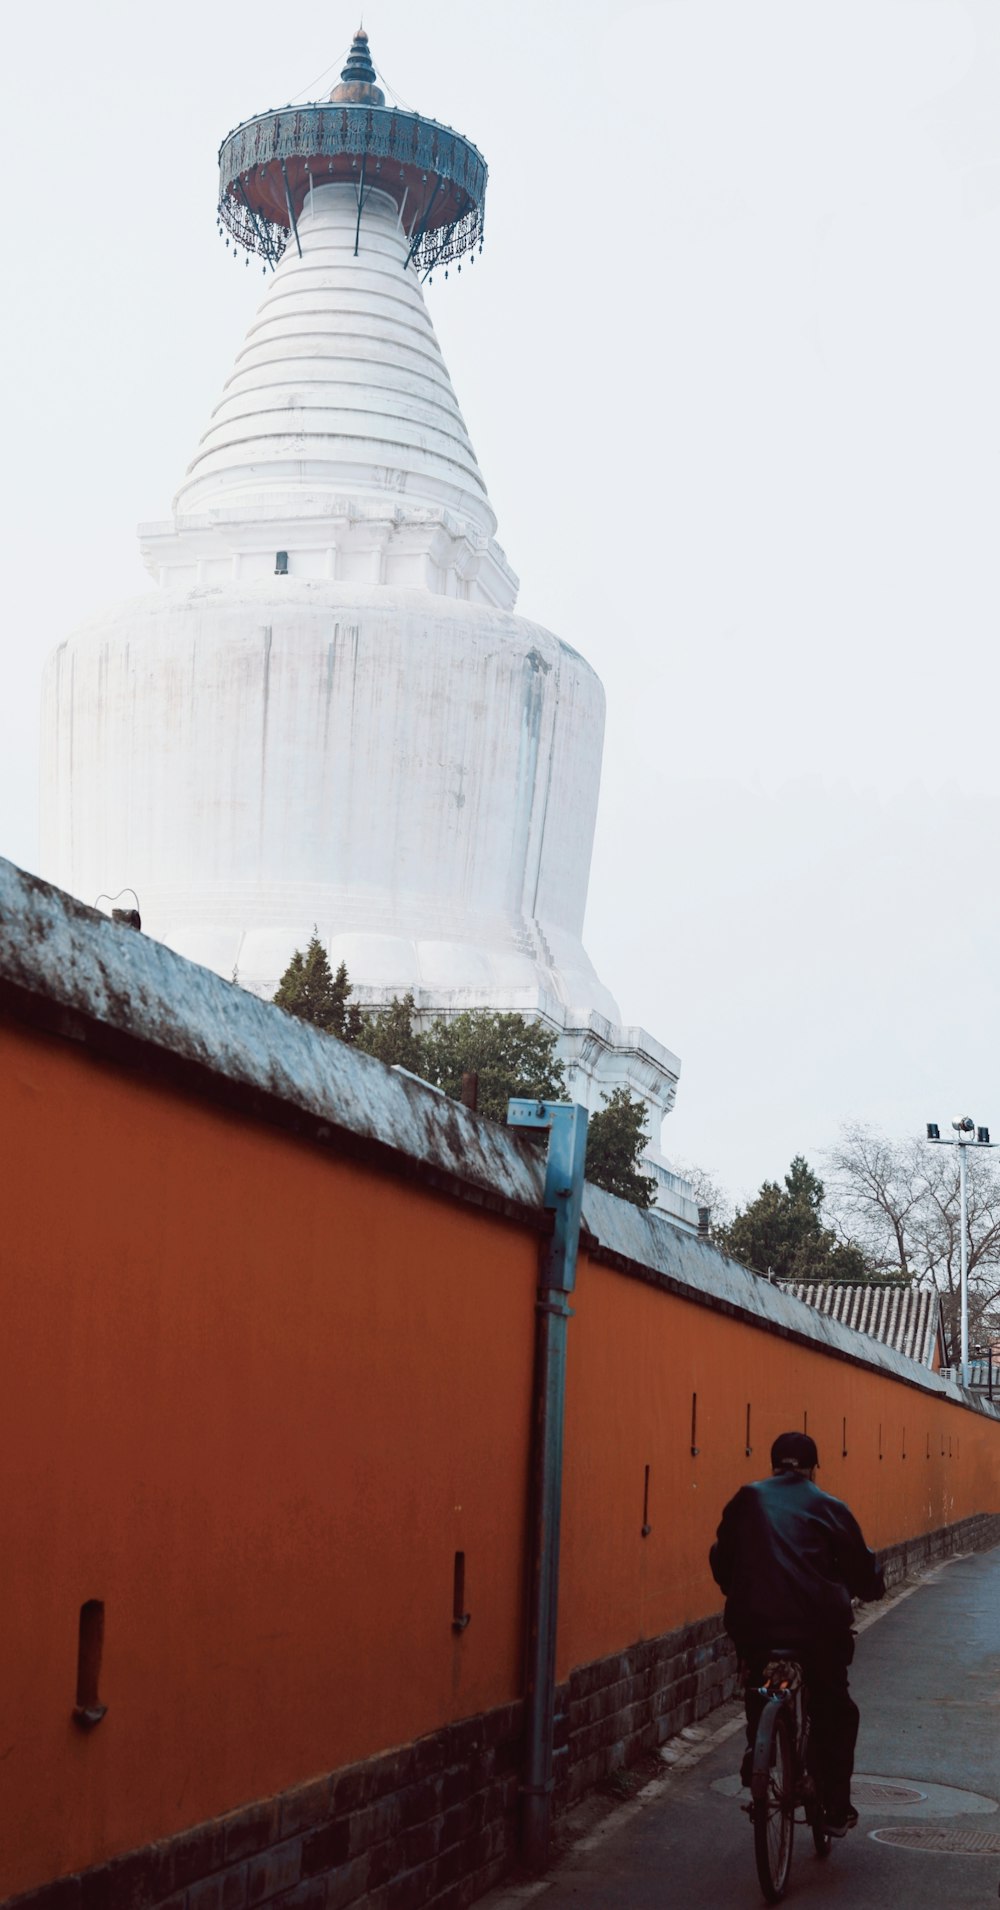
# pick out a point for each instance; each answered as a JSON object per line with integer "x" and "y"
{"x": 357, "y": 80}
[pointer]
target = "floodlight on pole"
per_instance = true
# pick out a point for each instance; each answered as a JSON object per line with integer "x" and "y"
{"x": 965, "y": 1128}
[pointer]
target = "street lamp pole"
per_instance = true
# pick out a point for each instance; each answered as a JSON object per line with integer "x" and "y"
{"x": 965, "y": 1128}
{"x": 963, "y": 1202}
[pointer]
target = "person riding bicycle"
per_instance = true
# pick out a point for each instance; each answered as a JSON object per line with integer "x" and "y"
{"x": 789, "y": 1559}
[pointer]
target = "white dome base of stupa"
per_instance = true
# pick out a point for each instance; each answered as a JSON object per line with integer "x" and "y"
{"x": 412, "y": 779}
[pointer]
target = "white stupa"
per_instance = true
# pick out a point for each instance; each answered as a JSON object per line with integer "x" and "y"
{"x": 327, "y": 714}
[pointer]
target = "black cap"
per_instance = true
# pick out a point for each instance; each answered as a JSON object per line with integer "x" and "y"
{"x": 794, "y": 1449}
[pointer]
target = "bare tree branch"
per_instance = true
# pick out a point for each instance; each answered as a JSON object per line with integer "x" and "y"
{"x": 899, "y": 1202}
{"x": 710, "y": 1193}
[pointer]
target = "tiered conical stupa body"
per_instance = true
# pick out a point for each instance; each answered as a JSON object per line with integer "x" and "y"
{"x": 328, "y": 715}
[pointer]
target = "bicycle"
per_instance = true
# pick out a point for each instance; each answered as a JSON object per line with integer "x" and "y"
{"x": 780, "y": 1779}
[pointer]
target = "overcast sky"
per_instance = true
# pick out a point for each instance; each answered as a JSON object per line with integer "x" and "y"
{"x": 729, "y": 362}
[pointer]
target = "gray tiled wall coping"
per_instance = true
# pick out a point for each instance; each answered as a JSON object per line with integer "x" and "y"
{"x": 71, "y": 969}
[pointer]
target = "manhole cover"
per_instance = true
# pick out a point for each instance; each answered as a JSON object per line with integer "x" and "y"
{"x": 886, "y": 1794}
{"x": 965, "y": 1843}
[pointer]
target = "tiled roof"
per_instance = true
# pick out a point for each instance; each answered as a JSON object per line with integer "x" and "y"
{"x": 903, "y": 1317}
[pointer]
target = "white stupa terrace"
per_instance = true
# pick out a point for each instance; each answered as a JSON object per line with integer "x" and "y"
{"x": 327, "y": 714}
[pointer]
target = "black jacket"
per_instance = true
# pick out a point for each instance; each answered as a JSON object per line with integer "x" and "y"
{"x": 790, "y": 1559}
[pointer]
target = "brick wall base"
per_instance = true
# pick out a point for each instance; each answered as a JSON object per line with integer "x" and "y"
{"x": 434, "y": 1825}
{"x": 976, "y": 1534}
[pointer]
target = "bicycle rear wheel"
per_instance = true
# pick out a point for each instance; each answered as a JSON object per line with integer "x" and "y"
{"x": 772, "y": 1788}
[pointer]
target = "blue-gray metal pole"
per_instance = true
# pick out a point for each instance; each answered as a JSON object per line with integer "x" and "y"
{"x": 567, "y": 1152}
{"x": 963, "y": 1204}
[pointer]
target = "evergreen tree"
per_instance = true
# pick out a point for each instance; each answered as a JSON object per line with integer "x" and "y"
{"x": 511, "y": 1056}
{"x": 615, "y": 1140}
{"x": 389, "y": 1035}
{"x": 308, "y": 988}
{"x": 782, "y": 1232}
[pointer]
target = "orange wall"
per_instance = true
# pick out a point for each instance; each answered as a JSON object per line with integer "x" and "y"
{"x": 635, "y": 1358}
{"x": 255, "y": 1396}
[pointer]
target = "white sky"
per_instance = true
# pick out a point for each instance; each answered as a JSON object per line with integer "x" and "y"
{"x": 729, "y": 364}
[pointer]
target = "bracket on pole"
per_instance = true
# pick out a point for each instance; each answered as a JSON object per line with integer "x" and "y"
{"x": 567, "y": 1130}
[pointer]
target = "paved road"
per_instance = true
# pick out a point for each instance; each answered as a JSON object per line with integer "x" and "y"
{"x": 927, "y": 1678}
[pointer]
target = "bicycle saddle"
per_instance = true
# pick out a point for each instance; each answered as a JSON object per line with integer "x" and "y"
{"x": 782, "y": 1672}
